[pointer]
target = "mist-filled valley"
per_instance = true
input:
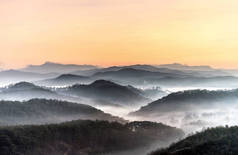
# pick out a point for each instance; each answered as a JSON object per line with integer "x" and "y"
{"x": 84, "y": 109}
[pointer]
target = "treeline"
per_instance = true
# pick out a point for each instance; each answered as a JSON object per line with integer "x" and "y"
{"x": 213, "y": 141}
{"x": 41, "y": 111}
{"x": 82, "y": 137}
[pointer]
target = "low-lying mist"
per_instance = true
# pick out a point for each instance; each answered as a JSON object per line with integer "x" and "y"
{"x": 197, "y": 118}
{"x": 189, "y": 100}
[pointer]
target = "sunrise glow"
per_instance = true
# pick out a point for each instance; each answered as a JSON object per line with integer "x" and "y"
{"x": 119, "y": 32}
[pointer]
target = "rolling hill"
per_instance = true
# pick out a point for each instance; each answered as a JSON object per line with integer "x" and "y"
{"x": 107, "y": 92}
{"x": 213, "y": 141}
{"x": 193, "y": 110}
{"x": 83, "y": 137}
{"x": 42, "y": 111}
{"x": 25, "y": 91}
{"x": 205, "y": 71}
{"x": 65, "y": 80}
{"x": 13, "y": 76}
{"x": 167, "y": 78}
{"x": 128, "y": 73}
{"x": 149, "y": 68}
{"x": 136, "y": 77}
{"x": 188, "y": 100}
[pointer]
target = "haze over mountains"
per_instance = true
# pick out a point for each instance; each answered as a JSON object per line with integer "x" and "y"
{"x": 188, "y": 97}
{"x": 41, "y": 111}
{"x": 107, "y": 92}
{"x": 100, "y": 92}
{"x": 185, "y": 67}
{"x": 65, "y": 80}
{"x": 141, "y": 75}
{"x": 25, "y": 91}
{"x": 143, "y": 78}
{"x": 193, "y": 109}
{"x": 50, "y": 67}
{"x": 13, "y": 76}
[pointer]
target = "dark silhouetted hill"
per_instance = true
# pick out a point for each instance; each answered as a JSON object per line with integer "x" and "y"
{"x": 189, "y": 100}
{"x": 41, "y": 111}
{"x": 107, "y": 91}
{"x": 214, "y": 141}
{"x": 65, "y": 80}
{"x": 83, "y": 137}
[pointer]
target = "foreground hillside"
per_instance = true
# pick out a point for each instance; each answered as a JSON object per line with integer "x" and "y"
{"x": 83, "y": 137}
{"x": 214, "y": 141}
{"x": 41, "y": 111}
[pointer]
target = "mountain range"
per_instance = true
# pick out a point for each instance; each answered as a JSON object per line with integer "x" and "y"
{"x": 143, "y": 78}
{"x": 51, "y": 67}
{"x": 23, "y": 91}
{"x": 107, "y": 93}
{"x": 179, "y": 66}
{"x": 13, "y": 76}
{"x": 100, "y": 92}
{"x": 36, "y": 103}
{"x": 51, "y": 74}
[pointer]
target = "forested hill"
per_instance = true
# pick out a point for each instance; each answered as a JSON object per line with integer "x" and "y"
{"x": 214, "y": 141}
{"x": 188, "y": 100}
{"x": 41, "y": 111}
{"x": 82, "y": 137}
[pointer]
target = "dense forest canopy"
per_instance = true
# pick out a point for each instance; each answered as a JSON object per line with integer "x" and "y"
{"x": 83, "y": 137}
{"x": 213, "y": 141}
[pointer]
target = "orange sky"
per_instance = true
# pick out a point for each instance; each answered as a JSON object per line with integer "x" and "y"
{"x": 119, "y": 32}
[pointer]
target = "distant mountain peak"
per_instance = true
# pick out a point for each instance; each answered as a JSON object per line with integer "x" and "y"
{"x": 99, "y": 83}
{"x": 49, "y": 62}
{"x": 67, "y": 76}
{"x": 130, "y": 70}
{"x": 23, "y": 85}
{"x": 11, "y": 71}
{"x": 186, "y": 67}
{"x": 52, "y": 67}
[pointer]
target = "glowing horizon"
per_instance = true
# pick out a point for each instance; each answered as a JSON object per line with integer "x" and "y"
{"x": 119, "y": 32}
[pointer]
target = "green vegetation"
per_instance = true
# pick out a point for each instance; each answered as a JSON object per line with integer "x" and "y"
{"x": 213, "y": 141}
{"x": 82, "y": 137}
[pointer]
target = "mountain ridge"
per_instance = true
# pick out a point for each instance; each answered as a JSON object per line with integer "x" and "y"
{"x": 51, "y": 67}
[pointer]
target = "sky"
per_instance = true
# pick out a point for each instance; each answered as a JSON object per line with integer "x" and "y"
{"x": 119, "y": 32}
